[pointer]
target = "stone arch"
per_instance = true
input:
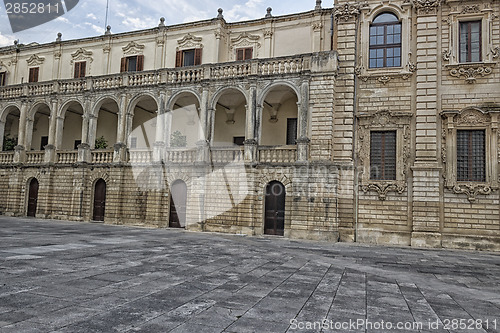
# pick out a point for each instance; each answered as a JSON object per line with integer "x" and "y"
{"x": 69, "y": 124}
{"x": 37, "y": 129}
{"x": 229, "y": 118}
{"x": 278, "y": 114}
{"x": 143, "y": 120}
{"x": 97, "y": 174}
{"x": 171, "y": 101}
{"x": 268, "y": 178}
{"x": 65, "y": 105}
{"x": 217, "y": 95}
{"x": 7, "y": 108}
{"x": 100, "y": 101}
{"x": 263, "y": 94}
{"x": 385, "y": 8}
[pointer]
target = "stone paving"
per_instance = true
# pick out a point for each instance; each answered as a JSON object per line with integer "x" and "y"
{"x": 80, "y": 277}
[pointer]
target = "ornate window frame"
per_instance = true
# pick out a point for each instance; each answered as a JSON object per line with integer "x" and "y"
{"x": 385, "y": 120}
{"x": 385, "y": 74}
{"x": 189, "y": 42}
{"x": 470, "y": 71}
{"x": 81, "y": 55}
{"x": 245, "y": 40}
{"x": 470, "y": 118}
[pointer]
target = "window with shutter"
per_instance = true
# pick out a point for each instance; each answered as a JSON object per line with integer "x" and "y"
{"x": 2, "y": 78}
{"x": 291, "y": 131}
{"x": 178, "y": 59}
{"x": 470, "y": 41}
{"x": 471, "y": 155}
{"x": 197, "y": 57}
{"x": 383, "y": 155}
{"x": 244, "y": 54}
{"x": 33, "y": 76}
{"x": 80, "y": 68}
{"x": 123, "y": 65}
{"x": 132, "y": 64}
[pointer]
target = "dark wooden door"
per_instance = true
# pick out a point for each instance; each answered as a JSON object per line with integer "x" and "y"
{"x": 99, "y": 200}
{"x": 33, "y": 197}
{"x": 275, "y": 209}
{"x": 178, "y": 199}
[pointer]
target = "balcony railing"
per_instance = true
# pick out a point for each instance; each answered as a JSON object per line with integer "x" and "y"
{"x": 102, "y": 156}
{"x": 287, "y": 154}
{"x": 227, "y": 154}
{"x": 140, "y": 156}
{"x": 291, "y": 65}
{"x": 181, "y": 155}
{"x": 67, "y": 157}
{"x": 6, "y": 157}
{"x": 35, "y": 157}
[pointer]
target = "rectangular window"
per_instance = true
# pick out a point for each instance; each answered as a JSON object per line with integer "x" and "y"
{"x": 77, "y": 143}
{"x": 34, "y": 74}
{"x": 239, "y": 140}
{"x": 80, "y": 68}
{"x": 244, "y": 54}
{"x": 2, "y": 78}
{"x": 471, "y": 156}
{"x": 291, "y": 131}
{"x": 188, "y": 58}
{"x": 133, "y": 142}
{"x": 383, "y": 155}
{"x": 470, "y": 41}
{"x": 132, "y": 64}
{"x": 44, "y": 142}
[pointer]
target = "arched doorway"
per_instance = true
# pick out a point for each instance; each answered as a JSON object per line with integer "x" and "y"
{"x": 178, "y": 199}
{"x": 275, "y": 209}
{"x": 99, "y": 200}
{"x": 32, "y": 197}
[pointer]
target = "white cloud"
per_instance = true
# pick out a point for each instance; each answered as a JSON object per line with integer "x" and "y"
{"x": 62, "y": 19}
{"x": 135, "y": 23}
{"x": 6, "y": 40}
{"x": 96, "y": 28}
{"x": 91, "y": 16}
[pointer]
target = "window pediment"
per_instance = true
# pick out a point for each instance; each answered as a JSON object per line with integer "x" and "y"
{"x": 133, "y": 48}
{"x": 81, "y": 55}
{"x": 189, "y": 42}
{"x": 246, "y": 40}
{"x": 35, "y": 60}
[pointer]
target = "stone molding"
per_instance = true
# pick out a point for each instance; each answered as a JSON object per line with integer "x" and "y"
{"x": 133, "y": 48}
{"x": 470, "y": 72}
{"x": 470, "y": 118}
{"x": 35, "y": 60}
{"x": 385, "y": 120}
{"x": 189, "y": 42}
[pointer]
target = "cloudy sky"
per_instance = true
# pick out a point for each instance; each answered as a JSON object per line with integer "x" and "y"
{"x": 88, "y": 17}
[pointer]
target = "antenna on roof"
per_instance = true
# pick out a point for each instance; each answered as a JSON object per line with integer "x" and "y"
{"x": 107, "y": 9}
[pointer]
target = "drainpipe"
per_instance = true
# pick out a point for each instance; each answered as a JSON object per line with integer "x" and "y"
{"x": 354, "y": 132}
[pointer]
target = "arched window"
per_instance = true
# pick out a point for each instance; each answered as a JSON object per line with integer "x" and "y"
{"x": 385, "y": 41}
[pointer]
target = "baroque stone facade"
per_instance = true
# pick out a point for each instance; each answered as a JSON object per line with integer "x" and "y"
{"x": 230, "y": 127}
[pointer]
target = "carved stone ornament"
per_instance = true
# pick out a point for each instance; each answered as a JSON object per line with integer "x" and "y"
{"x": 81, "y": 55}
{"x": 469, "y": 9}
{"x": 133, "y": 48}
{"x": 383, "y": 188}
{"x": 35, "y": 60}
{"x": 495, "y": 52}
{"x": 427, "y": 6}
{"x": 385, "y": 120}
{"x": 246, "y": 40}
{"x": 472, "y": 190}
{"x": 346, "y": 12}
{"x": 189, "y": 41}
{"x": 470, "y": 72}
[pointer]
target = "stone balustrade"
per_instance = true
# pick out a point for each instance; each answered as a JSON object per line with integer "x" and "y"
{"x": 67, "y": 157}
{"x": 6, "y": 157}
{"x": 102, "y": 156}
{"x": 227, "y": 154}
{"x": 140, "y": 156}
{"x": 35, "y": 157}
{"x": 256, "y": 67}
{"x": 286, "y": 154}
{"x": 180, "y": 155}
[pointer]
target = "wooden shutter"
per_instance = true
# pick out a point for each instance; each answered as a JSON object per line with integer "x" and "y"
{"x": 248, "y": 53}
{"x": 123, "y": 65}
{"x": 140, "y": 63}
{"x": 33, "y": 77}
{"x": 2, "y": 78}
{"x": 83, "y": 68}
{"x": 239, "y": 54}
{"x": 77, "y": 70}
{"x": 178, "y": 59}
{"x": 197, "y": 57}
